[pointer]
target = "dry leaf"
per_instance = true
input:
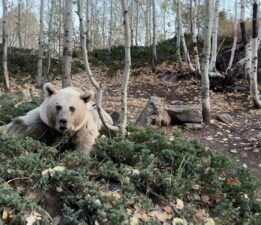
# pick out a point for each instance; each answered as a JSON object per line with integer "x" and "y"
{"x": 5, "y": 214}
{"x": 162, "y": 216}
{"x": 209, "y": 221}
{"x": 179, "y": 221}
{"x": 33, "y": 217}
{"x": 134, "y": 220}
{"x": 168, "y": 209}
{"x": 179, "y": 204}
{"x": 198, "y": 217}
{"x": 233, "y": 181}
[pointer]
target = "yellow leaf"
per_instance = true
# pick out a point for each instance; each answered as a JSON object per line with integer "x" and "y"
{"x": 134, "y": 220}
{"x": 168, "y": 209}
{"x": 162, "y": 216}
{"x": 209, "y": 221}
{"x": 179, "y": 204}
{"x": 33, "y": 217}
{"x": 5, "y": 215}
{"x": 179, "y": 221}
{"x": 233, "y": 181}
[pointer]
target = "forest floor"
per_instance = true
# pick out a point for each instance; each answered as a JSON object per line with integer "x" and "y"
{"x": 241, "y": 140}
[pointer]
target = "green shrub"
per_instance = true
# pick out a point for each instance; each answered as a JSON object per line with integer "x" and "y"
{"x": 143, "y": 163}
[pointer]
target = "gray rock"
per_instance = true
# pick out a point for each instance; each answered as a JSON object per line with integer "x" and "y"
{"x": 225, "y": 118}
{"x": 184, "y": 114}
{"x": 194, "y": 126}
{"x": 154, "y": 113}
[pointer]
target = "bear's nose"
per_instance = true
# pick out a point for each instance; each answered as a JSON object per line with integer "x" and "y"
{"x": 63, "y": 122}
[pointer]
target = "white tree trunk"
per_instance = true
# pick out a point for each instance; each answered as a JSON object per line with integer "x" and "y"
{"x": 39, "y": 77}
{"x": 253, "y": 74}
{"x": 205, "y": 62}
{"x": 111, "y": 26}
{"x": 131, "y": 22}
{"x": 137, "y": 22}
{"x": 213, "y": 60}
{"x": 67, "y": 44}
{"x": 147, "y": 2}
{"x": 242, "y": 22}
{"x": 233, "y": 49}
{"x": 19, "y": 25}
{"x": 83, "y": 38}
{"x": 182, "y": 37}
{"x": 4, "y": 48}
{"x": 154, "y": 47}
{"x": 88, "y": 24}
{"x": 126, "y": 73}
{"x": 178, "y": 36}
{"x": 195, "y": 34}
{"x": 103, "y": 23}
{"x": 50, "y": 35}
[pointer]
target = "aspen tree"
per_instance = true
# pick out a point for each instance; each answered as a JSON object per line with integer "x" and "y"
{"x": 182, "y": 37}
{"x": 178, "y": 36}
{"x": 147, "y": 3}
{"x": 154, "y": 44}
{"x": 212, "y": 66}
{"x": 122, "y": 126}
{"x": 253, "y": 74}
{"x": 234, "y": 40}
{"x": 205, "y": 62}
{"x": 242, "y": 22}
{"x": 50, "y": 35}
{"x": 111, "y": 26}
{"x": 195, "y": 34}
{"x": 4, "y": 49}
{"x": 67, "y": 44}
{"x": 39, "y": 76}
{"x": 19, "y": 24}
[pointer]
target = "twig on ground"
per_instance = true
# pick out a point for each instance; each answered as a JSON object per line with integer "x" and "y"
{"x": 176, "y": 211}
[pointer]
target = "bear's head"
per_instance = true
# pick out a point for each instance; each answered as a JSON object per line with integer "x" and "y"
{"x": 65, "y": 109}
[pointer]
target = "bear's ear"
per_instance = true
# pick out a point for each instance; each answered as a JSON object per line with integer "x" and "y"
{"x": 87, "y": 96}
{"x": 49, "y": 89}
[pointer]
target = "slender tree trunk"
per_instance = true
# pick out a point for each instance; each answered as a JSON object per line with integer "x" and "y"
{"x": 234, "y": 40}
{"x": 88, "y": 24}
{"x": 154, "y": 47}
{"x": 182, "y": 37}
{"x": 195, "y": 34}
{"x": 19, "y": 25}
{"x": 178, "y": 36}
{"x": 103, "y": 24}
{"x": 212, "y": 66}
{"x": 164, "y": 24}
{"x": 50, "y": 35}
{"x": 137, "y": 22}
{"x": 39, "y": 76}
{"x": 131, "y": 23}
{"x": 111, "y": 26}
{"x": 25, "y": 24}
{"x": 60, "y": 27}
{"x": 253, "y": 75}
{"x": 147, "y": 3}
{"x": 242, "y": 22}
{"x": 67, "y": 44}
{"x": 205, "y": 63}
{"x": 127, "y": 67}
{"x": 83, "y": 38}
{"x": 4, "y": 49}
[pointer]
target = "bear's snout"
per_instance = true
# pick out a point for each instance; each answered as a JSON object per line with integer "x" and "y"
{"x": 63, "y": 124}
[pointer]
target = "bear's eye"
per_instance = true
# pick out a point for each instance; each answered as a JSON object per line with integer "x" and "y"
{"x": 72, "y": 109}
{"x": 58, "y": 107}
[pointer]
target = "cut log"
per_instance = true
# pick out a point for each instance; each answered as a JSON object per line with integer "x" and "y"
{"x": 154, "y": 113}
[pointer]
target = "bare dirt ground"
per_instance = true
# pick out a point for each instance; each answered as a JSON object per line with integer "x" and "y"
{"x": 241, "y": 140}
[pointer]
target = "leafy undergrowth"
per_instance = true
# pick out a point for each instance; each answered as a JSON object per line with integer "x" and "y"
{"x": 141, "y": 179}
{"x": 145, "y": 178}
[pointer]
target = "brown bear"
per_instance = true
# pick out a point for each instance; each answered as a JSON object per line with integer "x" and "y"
{"x": 67, "y": 109}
